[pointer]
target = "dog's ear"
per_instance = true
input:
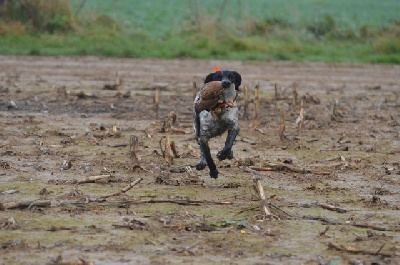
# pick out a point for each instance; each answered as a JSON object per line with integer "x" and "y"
{"x": 238, "y": 79}
{"x": 209, "y": 78}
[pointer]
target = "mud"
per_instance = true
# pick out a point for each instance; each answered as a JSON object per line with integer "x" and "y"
{"x": 59, "y": 125}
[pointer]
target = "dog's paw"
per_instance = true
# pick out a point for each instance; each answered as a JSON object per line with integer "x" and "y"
{"x": 214, "y": 174}
{"x": 225, "y": 154}
{"x": 201, "y": 166}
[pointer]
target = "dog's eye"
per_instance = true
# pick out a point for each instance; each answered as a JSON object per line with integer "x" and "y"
{"x": 231, "y": 77}
{"x": 218, "y": 78}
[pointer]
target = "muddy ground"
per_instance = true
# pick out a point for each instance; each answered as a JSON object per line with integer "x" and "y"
{"x": 332, "y": 181}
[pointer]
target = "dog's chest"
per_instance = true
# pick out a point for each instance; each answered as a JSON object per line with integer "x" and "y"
{"x": 213, "y": 124}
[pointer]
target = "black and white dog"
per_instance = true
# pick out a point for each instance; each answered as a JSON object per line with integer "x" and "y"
{"x": 217, "y": 120}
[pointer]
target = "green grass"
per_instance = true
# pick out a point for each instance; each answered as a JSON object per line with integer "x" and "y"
{"x": 158, "y": 17}
{"x": 306, "y": 30}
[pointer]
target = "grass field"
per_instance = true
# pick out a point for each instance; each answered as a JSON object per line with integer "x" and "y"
{"x": 319, "y": 30}
{"x": 160, "y": 18}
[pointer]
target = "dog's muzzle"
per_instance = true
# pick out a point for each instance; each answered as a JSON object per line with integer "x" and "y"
{"x": 226, "y": 83}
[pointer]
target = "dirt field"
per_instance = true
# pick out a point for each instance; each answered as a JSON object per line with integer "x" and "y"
{"x": 331, "y": 181}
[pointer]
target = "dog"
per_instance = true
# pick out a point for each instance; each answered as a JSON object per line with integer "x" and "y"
{"x": 215, "y": 119}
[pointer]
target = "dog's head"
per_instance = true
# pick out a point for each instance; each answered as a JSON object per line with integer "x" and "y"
{"x": 226, "y": 77}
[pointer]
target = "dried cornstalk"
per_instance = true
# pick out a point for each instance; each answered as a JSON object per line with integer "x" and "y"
{"x": 23, "y": 204}
{"x": 246, "y": 101}
{"x": 284, "y": 167}
{"x": 161, "y": 147}
{"x": 281, "y": 124}
{"x": 118, "y": 80}
{"x": 300, "y": 119}
{"x": 125, "y": 189}
{"x": 133, "y": 150}
{"x": 169, "y": 121}
{"x": 92, "y": 179}
{"x": 124, "y": 203}
{"x": 174, "y": 150}
{"x": 172, "y": 117}
{"x": 263, "y": 200}
{"x": 167, "y": 128}
{"x": 113, "y": 131}
{"x": 81, "y": 94}
{"x": 181, "y": 201}
{"x": 193, "y": 152}
{"x": 256, "y": 122}
{"x": 277, "y": 94}
{"x": 157, "y": 99}
{"x": 332, "y": 207}
{"x": 336, "y": 115}
{"x": 366, "y": 226}
{"x": 295, "y": 94}
{"x": 355, "y": 250}
{"x": 179, "y": 130}
{"x": 168, "y": 144}
{"x": 116, "y": 85}
{"x": 7, "y": 192}
{"x": 149, "y": 132}
{"x": 117, "y": 145}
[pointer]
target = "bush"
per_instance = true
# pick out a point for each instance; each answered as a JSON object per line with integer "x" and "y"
{"x": 11, "y": 28}
{"x": 322, "y": 26}
{"x": 40, "y": 15}
{"x": 58, "y": 24}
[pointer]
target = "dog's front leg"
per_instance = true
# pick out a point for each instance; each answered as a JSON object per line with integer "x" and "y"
{"x": 227, "y": 152}
{"x": 202, "y": 163}
{"x": 206, "y": 155}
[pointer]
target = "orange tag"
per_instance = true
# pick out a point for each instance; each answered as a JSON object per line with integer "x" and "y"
{"x": 217, "y": 69}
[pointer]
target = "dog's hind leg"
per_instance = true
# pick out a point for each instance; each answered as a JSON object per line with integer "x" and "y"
{"x": 226, "y": 152}
{"x": 206, "y": 155}
{"x": 202, "y": 163}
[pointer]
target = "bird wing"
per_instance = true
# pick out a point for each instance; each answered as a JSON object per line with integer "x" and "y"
{"x": 209, "y": 96}
{"x": 211, "y": 90}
